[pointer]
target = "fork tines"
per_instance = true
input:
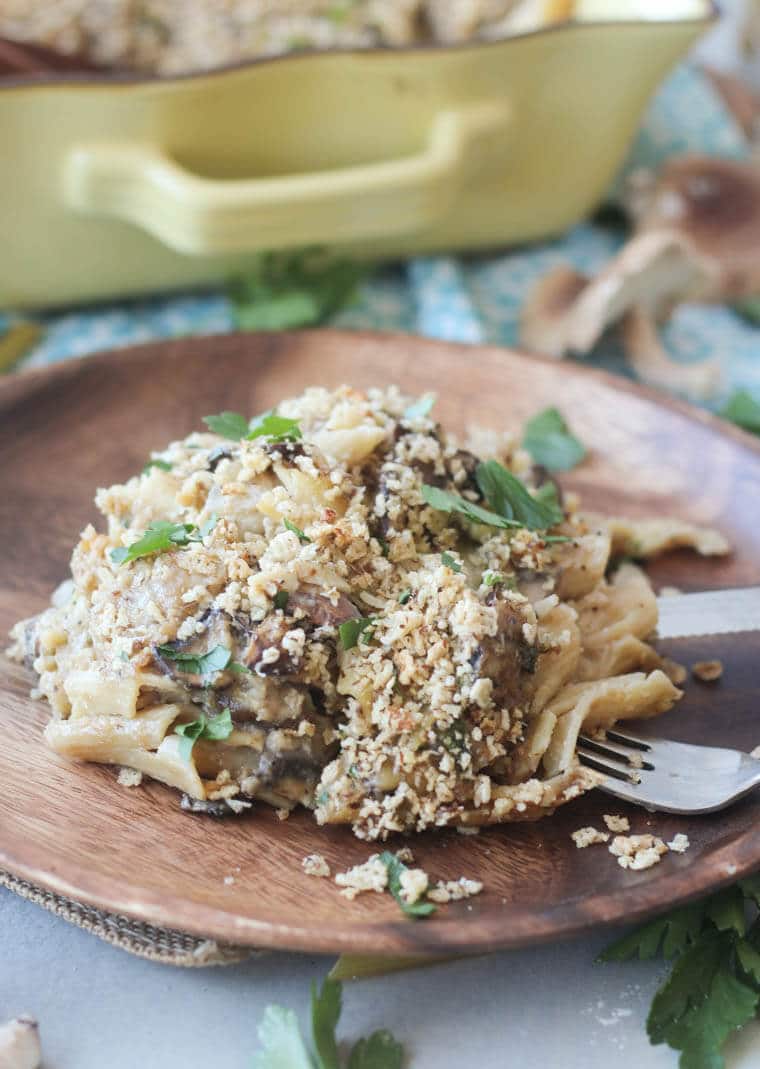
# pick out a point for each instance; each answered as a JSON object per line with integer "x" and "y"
{"x": 612, "y": 755}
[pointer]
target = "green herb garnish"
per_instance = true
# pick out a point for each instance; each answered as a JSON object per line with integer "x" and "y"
{"x": 550, "y": 442}
{"x": 205, "y": 665}
{"x": 509, "y": 497}
{"x": 350, "y": 630}
{"x": 444, "y": 501}
{"x": 489, "y": 578}
{"x": 238, "y": 668}
{"x": 160, "y": 537}
{"x": 404, "y": 597}
{"x": 748, "y": 308}
{"x": 228, "y": 425}
{"x": 278, "y": 428}
{"x": 451, "y": 562}
{"x": 162, "y": 465}
{"x": 395, "y": 868}
{"x": 283, "y": 1046}
{"x": 714, "y": 984}
{"x": 420, "y": 408}
{"x": 743, "y": 410}
{"x": 215, "y": 728}
{"x": 280, "y": 600}
{"x": 293, "y": 289}
{"x": 296, "y": 531}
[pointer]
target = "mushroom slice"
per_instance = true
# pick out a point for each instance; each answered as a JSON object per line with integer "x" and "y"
{"x": 714, "y": 205}
{"x": 653, "y": 270}
{"x": 650, "y": 360}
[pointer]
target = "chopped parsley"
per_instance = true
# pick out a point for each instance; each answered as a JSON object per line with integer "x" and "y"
{"x": 280, "y": 600}
{"x": 444, "y": 501}
{"x": 269, "y": 425}
{"x": 551, "y": 443}
{"x": 714, "y": 984}
{"x": 278, "y": 428}
{"x": 350, "y": 630}
{"x": 283, "y": 1046}
{"x": 451, "y": 562}
{"x": 743, "y": 410}
{"x": 395, "y": 868}
{"x": 228, "y": 425}
{"x": 420, "y": 408}
{"x": 238, "y": 668}
{"x": 215, "y": 728}
{"x": 490, "y": 578}
{"x": 296, "y": 531}
{"x": 162, "y": 465}
{"x": 404, "y": 597}
{"x": 509, "y": 497}
{"x": 748, "y": 308}
{"x": 205, "y": 665}
{"x": 160, "y": 537}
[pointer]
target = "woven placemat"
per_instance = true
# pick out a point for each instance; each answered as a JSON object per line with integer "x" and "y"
{"x": 165, "y": 945}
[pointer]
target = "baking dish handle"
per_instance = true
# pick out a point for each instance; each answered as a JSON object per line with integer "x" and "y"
{"x": 204, "y": 216}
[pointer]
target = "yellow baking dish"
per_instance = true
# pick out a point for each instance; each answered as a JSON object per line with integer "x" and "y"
{"x": 111, "y": 186}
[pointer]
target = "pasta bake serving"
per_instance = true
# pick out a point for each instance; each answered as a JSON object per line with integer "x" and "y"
{"x": 336, "y": 605}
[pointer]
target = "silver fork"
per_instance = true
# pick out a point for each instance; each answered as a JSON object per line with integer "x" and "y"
{"x": 672, "y": 777}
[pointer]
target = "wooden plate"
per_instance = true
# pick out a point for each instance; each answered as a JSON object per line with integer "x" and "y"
{"x": 71, "y": 828}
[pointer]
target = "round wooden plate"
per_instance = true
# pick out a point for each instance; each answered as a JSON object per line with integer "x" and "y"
{"x": 73, "y": 829}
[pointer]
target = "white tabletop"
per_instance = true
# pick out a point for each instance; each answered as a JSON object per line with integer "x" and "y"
{"x": 550, "y": 1007}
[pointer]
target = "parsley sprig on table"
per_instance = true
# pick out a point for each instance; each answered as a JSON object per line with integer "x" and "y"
{"x": 743, "y": 410}
{"x": 283, "y": 1046}
{"x": 395, "y": 869}
{"x": 714, "y": 984}
{"x": 160, "y": 537}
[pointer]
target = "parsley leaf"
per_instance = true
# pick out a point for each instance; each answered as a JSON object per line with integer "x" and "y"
{"x": 444, "y": 501}
{"x": 215, "y": 728}
{"x": 748, "y": 308}
{"x": 378, "y": 1051}
{"x": 162, "y": 465}
{"x": 293, "y": 289}
{"x": 160, "y": 537}
{"x": 283, "y": 1046}
{"x": 714, "y": 984}
{"x": 296, "y": 531}
{"x": 420, "y": 408}
{"x": 550, "y": 442}
{"x": 280, "y": 600}
{"x": 350, "y": 630}
{"x": 743, "y": 410}
{"x": 278, "y": 428}
{"x": 395, "y": 868}
{"x": 325, "y": 1014}
{"x": 451, "y": 562}
{"x": 404, "y": 597}
{"x": 228, "y": 425}
{"x": 281, "y": 1040}
{"x": 205, "y": 664}
{"x": 509, "y": 497}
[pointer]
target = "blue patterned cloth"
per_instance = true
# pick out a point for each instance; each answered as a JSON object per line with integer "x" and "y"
{"x": 477, "y": 299}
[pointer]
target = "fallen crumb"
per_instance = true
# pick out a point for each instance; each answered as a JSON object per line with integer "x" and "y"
{"x": 237, "y": 805}
{"x": 584, "y": 837}
{"x": 670, "y": 591}
{"x": 405, "y": 855}
{"x": 454, "y": 890}
{"x": 679, "y": 844}
{"x": 637, "y": 851}
{"x": 229, "y": 880}
{"x": 616, "y": 823}
{"x": 315, "y": 865}
{"x": 20, "y": 1044}
{"x": 129, "y": 777}
{"x": 371, "y": 876}
{"x": 636, "y": 760}
{"x": 282, "y": 814}
{"x": 707, "y": 671}
{"x": 413, "y": 885}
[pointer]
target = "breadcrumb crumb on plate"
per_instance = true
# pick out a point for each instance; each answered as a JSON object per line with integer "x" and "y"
{"x": 315, "y": 865}
{"x": 707, "y": 671}
{"x": 616, "y": 823}
{"x": 637, "y": 851}
{"x": 584, "y": 837}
